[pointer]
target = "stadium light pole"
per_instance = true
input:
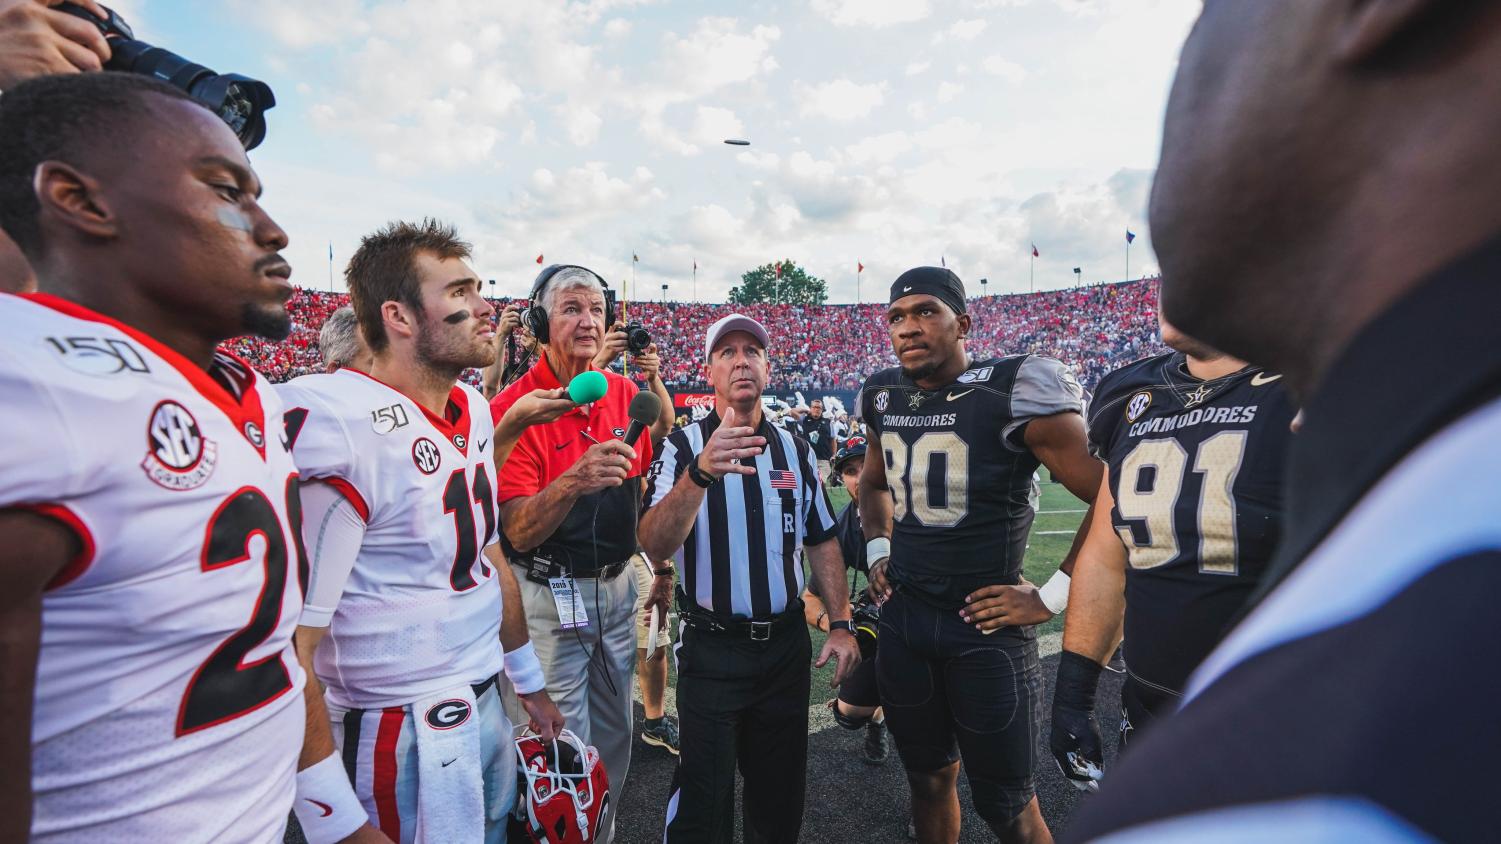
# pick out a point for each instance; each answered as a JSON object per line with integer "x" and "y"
{"x": 1078, "y": 276}
{"x": 983, "y": 288}
{"x": 664, "y": 295}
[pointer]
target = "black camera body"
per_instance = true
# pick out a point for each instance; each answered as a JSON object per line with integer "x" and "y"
{"x": 241, "y": 102}
{"x": 637, "y": 338}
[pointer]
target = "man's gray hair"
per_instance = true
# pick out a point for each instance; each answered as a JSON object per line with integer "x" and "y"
{"x": 571, "y": 278}
{"x": 339, "y": 340}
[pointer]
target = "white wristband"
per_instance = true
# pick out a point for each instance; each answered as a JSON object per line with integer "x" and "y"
{"x": 524, "y": 670}
{"x": 326, "y": 805}
{"x": 877, "y": 549}
{"x": 1054, "y": 593}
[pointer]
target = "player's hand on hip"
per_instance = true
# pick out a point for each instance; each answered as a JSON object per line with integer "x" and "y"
{"x": 993, "y": 607}
{"x": 366, "y": 834}
{"x": 879, "y": 588}
{"x": 36, "y": 41}
{"x": 543, "y": 715}
{"x": 730, "y": 444}
{"x": 840, "y": 645}
{"x": 613, "y": 347}
{"x": 603, "y": 466}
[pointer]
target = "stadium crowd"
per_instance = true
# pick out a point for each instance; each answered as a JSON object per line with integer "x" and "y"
{"x": 1093, "y": 329}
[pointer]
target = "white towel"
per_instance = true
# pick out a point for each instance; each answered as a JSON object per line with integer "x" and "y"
{"x": 450, "y": 784}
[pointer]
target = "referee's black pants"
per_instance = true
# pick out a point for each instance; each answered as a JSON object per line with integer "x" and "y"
{"x": 746, "y": 702}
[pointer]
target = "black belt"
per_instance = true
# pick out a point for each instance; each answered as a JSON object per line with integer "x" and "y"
{"x": 540, "y": 571}
{"x": 757, "y": 630}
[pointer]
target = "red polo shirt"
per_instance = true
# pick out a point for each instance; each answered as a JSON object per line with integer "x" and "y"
{"x": 601, "y": 528}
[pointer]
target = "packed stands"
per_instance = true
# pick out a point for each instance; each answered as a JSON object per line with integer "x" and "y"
{"x": 833, "y": 347}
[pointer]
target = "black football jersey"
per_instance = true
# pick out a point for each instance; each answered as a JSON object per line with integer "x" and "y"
{"x": 959, "y": 472}
{"x": 1196, "y": 471}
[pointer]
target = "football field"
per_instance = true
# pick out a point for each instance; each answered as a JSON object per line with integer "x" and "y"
{"x": 849, "y": 801}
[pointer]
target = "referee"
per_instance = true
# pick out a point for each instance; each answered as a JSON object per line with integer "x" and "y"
{"x": 732, "y": 498}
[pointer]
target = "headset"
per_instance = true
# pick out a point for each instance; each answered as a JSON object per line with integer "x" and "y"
{"x": 535, "y": 316}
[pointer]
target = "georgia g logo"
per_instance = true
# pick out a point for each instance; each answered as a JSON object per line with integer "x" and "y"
{"x": 178, "y": 456}
{"x": 426, "y": 455}
{"x": 447, "y": 714}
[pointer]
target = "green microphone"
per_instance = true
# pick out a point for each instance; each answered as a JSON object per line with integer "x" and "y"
{"x": 587, "y": 387}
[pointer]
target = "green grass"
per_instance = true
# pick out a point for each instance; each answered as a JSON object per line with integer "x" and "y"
{"x": 1052, "y": 534}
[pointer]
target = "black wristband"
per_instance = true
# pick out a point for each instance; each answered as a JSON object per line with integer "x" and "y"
{"x": 1078, "y": 681}
{"x": 700, "y": 477}
{"x": 663, "y": 572}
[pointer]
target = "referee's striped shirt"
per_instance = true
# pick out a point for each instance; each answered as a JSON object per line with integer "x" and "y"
{"x": 742, "y": 556}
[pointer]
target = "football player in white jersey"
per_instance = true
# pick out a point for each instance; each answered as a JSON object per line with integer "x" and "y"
{"x": 150, "y": 562}
{"x": 409, "y": 601}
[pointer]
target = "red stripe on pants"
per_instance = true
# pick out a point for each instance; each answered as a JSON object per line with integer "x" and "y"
{"x": 389, "y": 819}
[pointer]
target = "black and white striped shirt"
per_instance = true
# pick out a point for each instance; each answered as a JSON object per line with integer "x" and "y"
{"x": 742, "y": 556}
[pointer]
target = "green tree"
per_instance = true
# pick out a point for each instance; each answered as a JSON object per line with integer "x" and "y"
{"x": 795, "y": 286}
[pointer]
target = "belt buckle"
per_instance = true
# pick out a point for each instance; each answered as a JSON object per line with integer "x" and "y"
{"x": 760, "y": 631}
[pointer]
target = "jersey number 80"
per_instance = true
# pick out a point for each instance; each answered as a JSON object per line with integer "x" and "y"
{"x": 951, "y": 474}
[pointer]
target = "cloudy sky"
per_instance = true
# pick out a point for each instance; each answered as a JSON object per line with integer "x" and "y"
{"x": 890, "y": 132}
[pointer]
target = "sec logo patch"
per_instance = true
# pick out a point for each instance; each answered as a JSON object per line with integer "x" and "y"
{"x": 426, "y": 455}
{"x": 178, "y": 456}
{"x": 1138, "y": 405}
{"x": 883, "y": 398}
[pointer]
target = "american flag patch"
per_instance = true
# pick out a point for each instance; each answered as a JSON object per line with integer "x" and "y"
{"x": 783, "y": 479}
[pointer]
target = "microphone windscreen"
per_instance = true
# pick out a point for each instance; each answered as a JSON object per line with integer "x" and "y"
{"x": 587, "y": 387}
{"x": 645, "y": 408}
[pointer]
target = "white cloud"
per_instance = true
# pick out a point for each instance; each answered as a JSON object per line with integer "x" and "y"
{"x": 1010, "y": 71}
{"x": 713, "y": 125}
{"x": 617, "y": 28}
{"x": 964, "y": 30}
{"x": 947, "y": 91}
{"x": 873, "y": 13}
{"x": 915, "y": 68}
{"x": 840, "y": 99}
{"x": 879, "y": 149}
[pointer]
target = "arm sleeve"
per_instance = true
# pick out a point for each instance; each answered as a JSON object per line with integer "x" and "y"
{"x": 818, "y": 518}
{"x": 333, "y": 531}
{"x": 1043, "y": 387}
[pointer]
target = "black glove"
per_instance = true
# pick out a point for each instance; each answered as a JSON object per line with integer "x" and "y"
{"x": 1075, "y": 737}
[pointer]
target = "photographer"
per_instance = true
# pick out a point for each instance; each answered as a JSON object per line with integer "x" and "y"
{"x": 569, "y": 494}
{"x": 859, "y": 701}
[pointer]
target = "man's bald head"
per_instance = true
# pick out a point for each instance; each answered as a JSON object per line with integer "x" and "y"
{"x": 1319, "y": 158}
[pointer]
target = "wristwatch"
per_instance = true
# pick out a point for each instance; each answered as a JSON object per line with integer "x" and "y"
{"x": 700, "y": 477}
{"x": 845, "y": 625}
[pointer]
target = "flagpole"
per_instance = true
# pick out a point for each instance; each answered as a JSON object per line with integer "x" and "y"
{"x": 857, "y": 288}
{"x": 1032, "y": 274}
{"x": 1128, "y": 260}
{"x": 695, "y": 282}
{"x": 330, "y": 267}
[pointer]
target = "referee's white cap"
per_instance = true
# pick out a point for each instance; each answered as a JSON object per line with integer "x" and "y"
{"x": 734, "y": 322}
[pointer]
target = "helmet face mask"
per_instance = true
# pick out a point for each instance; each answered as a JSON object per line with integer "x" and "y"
{"x": 563, "y": 790}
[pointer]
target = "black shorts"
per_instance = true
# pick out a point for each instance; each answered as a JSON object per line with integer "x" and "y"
{"x": 951, "y": 692}
{"x": 1143, "y": 704}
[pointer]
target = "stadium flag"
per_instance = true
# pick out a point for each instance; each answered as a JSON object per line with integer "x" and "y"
{"x": 635, "y": 259}
{"x": 330, "y": 250}
{"x": 1130, "y": 236}
{"x": 1035, "y": 253}
{"x": 779, "y": 269}
{"x": 859, "y": 268}
{"x": 539, "y": 258}
{"x": 943, "y": 261}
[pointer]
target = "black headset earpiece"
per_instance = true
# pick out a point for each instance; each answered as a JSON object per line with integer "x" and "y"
{"x": 535, "y": 316}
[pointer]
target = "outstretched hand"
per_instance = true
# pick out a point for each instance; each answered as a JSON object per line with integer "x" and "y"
{"x": 731, "y": 443}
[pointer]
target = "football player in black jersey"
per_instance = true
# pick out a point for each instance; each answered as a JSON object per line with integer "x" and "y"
{"x": 946, "y": 516}
{"x": 1184, "y": 525}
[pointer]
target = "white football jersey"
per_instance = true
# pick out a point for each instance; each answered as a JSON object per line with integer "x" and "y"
{"x": 168, "y": 697}
{"x": 420, "y": 610}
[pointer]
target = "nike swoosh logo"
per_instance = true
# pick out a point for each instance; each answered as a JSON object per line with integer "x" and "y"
{"x": 906, "y": 289}
{"x": 327, "y": 809}
{"x": 1261, "y": 378}
{"x": 953, "y": 396}
{"x": 562, "y": 446}
{"x": 449, "y": 762}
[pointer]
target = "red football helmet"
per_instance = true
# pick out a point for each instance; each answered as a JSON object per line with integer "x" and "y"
{"x": 563, "y": 788}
